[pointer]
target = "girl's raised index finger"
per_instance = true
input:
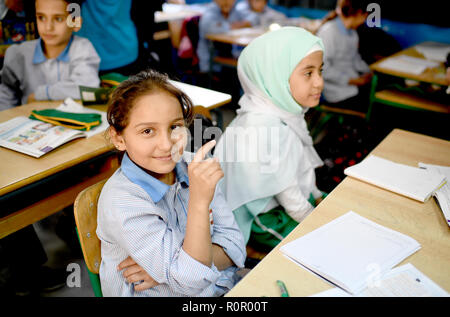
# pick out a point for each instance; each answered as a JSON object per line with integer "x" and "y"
{"x": 201, "y": 153}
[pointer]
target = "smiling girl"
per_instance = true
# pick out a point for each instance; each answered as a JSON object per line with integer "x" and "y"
{"x": 161, "y": 209}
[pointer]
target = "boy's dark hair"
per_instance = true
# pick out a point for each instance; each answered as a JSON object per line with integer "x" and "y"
{"x": 351, "y": 7}
{"x": 348, "y": 8}
{"x": 144, "y": 83}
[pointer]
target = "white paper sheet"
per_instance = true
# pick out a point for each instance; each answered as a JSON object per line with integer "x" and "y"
{"x": 402, "y": 281}
{"x": 408, "y": 64}
{"x": 405, "y": 180}
{"x": 349, "y": 250}
{"x": 442, "y": 194}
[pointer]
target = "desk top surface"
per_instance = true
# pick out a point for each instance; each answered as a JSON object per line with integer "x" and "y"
{"x": 421, "y": 221}
{"x": 244, "y": 36}
{"x": 241, "y": 37}
{"x": 435, "y": 75}
{"x": 179, "y": 12}
{"x": 18, "y": 169}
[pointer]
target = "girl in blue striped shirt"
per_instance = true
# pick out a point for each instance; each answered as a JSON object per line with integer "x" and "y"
{"x": 161, "y": 211}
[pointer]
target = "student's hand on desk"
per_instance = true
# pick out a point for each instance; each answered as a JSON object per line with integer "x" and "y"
{"x": 31, "y": 98}
{"x": 134, "y": 273}
{"x": 203, "y": 176}
{"x": 240, "y": 25}
{"x": 361, "y": 80}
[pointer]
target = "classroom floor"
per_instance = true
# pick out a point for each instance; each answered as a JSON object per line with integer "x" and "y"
{"x": 60, "y": 256}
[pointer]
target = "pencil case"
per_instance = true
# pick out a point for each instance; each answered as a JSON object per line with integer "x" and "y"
{"x": 78, "y": 121}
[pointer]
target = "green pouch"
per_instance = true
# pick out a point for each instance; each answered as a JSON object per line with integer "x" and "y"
{"x": 78, "y": 121}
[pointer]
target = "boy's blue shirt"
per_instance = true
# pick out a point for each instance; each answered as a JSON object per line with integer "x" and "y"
{"x": 27, "y": 71}
{"x": 342, "y": 28}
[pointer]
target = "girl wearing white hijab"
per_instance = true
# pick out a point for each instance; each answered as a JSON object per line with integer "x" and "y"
{"x": 266, "y": 152}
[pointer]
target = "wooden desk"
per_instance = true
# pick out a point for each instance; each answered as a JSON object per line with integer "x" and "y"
{"x": 200, "y": 96}
{"x": 407, "y": 100}
{"x": 421, "y": 221}
{"x": 169, "y": 16}
{"x": 243, "y": 37}
{"x": 19, "y": 171}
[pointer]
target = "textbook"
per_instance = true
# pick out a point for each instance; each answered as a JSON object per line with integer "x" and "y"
{"x": 349, "y": 250}
{"x": 442, "y": 194}
{"x": 402, "y": 281}
{"x": 409, "y": 181}
{"x": 36, "y": 138}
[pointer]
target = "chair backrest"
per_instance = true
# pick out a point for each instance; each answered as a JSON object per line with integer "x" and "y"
{"x": 85, "y": 210}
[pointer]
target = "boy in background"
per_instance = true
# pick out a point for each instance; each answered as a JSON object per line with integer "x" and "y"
{"x": 259, "y": 13}
{"x": 347, "y": 76}
{"x": 52, "y": 67}
{"x": 49, "y": 68}
{"x": 220, "y": 17}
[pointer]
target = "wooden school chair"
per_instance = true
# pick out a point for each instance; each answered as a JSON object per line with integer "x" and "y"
{"x": 85, "y": 210}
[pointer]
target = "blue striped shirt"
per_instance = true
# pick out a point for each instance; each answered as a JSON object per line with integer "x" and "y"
{"x": 141, "y": 217}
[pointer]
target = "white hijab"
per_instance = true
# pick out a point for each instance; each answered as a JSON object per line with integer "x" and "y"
{"x": 290, "y": 155}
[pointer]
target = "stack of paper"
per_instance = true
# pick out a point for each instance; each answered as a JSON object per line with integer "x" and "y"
{"x": 409, "y": 181}
{"x": 408, "y": 64}
{"x": 442, "y": 194}
{"x": 434, "y": 51}
{"x": 402, "y": 281}
{"x": 348, "y": 250}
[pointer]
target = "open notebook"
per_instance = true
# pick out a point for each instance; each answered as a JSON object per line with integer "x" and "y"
{"x": 36, "y": 138}
{"x": 347, "y": 250}
{"x": 402, "y": 281}
{"x": 409, "y": 181}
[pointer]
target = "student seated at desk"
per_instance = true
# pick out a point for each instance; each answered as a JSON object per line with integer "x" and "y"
{"x": 49, "y": 68}
{"x": 52, "y": 67}
{"x": 346, "y": 75}
{"x": 266, "y": 152}
{"x": 220, "y": 17}
{"x": 161, "y": 208}
{"x": 259, "y": 13}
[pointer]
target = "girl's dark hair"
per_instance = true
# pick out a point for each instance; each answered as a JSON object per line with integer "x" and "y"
{"x": 348, "y": 8}
{"x": 144, "y": 83}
